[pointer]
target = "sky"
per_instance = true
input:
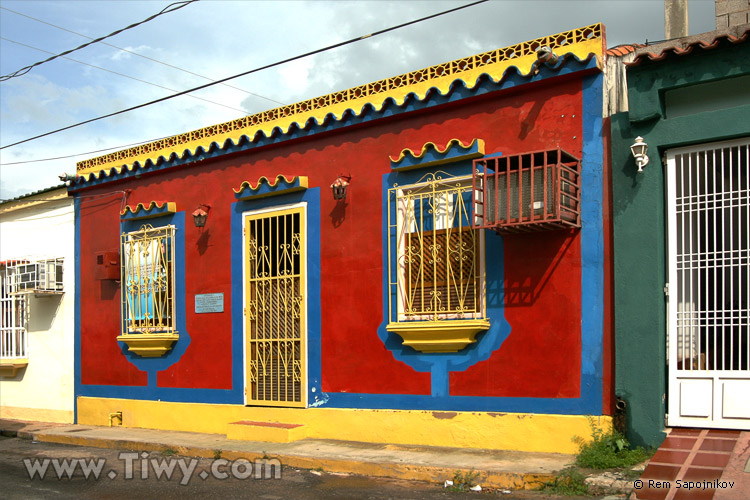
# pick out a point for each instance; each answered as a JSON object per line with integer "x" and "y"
{"x": 214, "y": 39}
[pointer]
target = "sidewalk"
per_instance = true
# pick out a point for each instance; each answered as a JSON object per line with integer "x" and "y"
{"x": 698, "y": 464}
{"x": 497, "y": 469}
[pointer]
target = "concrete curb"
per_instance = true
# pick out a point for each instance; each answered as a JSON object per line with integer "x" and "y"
{"x": 384, "y": 469}
{"x": 488, "y": 479}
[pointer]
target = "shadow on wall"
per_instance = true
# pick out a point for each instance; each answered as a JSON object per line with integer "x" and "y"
{"x": 45, "y": 309}
{"x": 338, "y": 214}
{"x": 202, "y": 242}
{"x": 527, "y": 279}
{"x": 108, "y": 289}
{"x": 622, "y": 161}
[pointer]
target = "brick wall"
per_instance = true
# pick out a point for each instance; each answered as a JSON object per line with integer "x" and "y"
{"x": 732, "y": 13}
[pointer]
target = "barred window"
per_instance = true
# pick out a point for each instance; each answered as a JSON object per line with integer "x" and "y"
{"x": 148, "y": 280}
{"x": 13, "y": 320}
{"x": 438, "y": 265}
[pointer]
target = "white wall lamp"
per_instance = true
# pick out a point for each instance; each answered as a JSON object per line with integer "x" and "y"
{"x": 639, "y": 150}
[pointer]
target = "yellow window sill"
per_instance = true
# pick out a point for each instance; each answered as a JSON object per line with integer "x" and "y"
{"x": 439, "y": 336}
{"x": 9, "y": 367}
{"x": 149, "y": 345}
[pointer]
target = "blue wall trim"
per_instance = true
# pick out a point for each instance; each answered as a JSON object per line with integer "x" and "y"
{"x": 154, "y": 365}
{"x": 592, "y": 246}
{"x": 439, "y": 365}
{"x": 312, "y": 198}
{"x": 219, "y": 396}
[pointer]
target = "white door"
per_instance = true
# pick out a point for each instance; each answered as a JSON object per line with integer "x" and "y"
{"x": 708, "y": 200}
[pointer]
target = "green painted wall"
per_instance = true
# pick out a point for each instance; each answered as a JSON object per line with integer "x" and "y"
{"x": 640, "y": 266}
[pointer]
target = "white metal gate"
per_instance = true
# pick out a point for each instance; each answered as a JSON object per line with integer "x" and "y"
{"x": 708, "y": 202}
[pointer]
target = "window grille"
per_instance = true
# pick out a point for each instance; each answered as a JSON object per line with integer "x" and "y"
{"x": 148, "y": 280}
{"x": 527, "y": 192}
{"x": 434, "y": 253}
{"x": 13, "y": 319}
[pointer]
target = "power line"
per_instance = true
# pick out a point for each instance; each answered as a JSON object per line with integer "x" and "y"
{"x": 165, "y": 10}
{"x": 122, "y": 74}
{"x": 141, "y": 55}
{"x": 261, "y": 68}
{"x": 82, "y": 154}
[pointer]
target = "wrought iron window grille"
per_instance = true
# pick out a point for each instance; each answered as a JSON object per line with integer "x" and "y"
{"x": 148, "y": 276}
{"x": 435, "y": 255}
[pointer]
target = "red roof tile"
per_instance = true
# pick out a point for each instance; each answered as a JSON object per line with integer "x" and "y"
{"x": 622, "y": 50}
{"x": 678, "y": 50}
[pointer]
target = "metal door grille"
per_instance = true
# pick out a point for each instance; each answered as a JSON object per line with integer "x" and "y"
{"x": 275, "y": 308}
{"x": 712, "y": 264}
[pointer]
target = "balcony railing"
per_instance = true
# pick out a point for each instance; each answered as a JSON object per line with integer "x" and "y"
{"x": 527, "y": 192}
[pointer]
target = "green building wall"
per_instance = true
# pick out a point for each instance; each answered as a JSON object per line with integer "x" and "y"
{"x": 709, "y": 100}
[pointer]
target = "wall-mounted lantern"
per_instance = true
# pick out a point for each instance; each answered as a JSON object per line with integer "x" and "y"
{"x": 639, "y": 150}
{"x": 339, "y": 186}
{"x": 545, "y": 55}
{"x": 200, "y": 215}
{"x": 67, "y": 178}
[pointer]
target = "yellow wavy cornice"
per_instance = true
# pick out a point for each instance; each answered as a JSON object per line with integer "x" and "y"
{"x": 581, "y": 43}
{"x": 437, "y": 149}
{"x": 171, "y": 207}
{"x": 264, "y": 180}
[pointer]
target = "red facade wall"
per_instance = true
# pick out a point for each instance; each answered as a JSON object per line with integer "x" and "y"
{"x": 542, "y": 354}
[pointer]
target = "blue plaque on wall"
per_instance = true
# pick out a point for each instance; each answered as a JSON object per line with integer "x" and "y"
{"x": 209, "y": 303}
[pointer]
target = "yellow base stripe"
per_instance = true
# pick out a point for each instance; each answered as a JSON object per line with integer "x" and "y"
{"x": 481, "y": 430}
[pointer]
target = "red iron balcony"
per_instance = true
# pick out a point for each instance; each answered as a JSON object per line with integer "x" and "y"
{"x": 534, "y": 191}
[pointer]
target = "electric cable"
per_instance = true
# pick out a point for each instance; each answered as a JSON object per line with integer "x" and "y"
{"x": 122, "y": 74}
{"x": 261, "y": 68}
{"x": 140, "y": 55}
{"x": 83, "y": 154}
{"x": 165, "y": 10}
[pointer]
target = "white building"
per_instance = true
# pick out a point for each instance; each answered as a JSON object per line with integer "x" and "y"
{"x": 37, "y": 313}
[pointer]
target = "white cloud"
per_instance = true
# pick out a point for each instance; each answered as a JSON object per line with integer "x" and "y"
{"x": 122, "y": 54}
{"x": 222, "y": 38}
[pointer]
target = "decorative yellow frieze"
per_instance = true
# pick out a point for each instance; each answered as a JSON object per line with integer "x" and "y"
{"x": 581, "y": 43}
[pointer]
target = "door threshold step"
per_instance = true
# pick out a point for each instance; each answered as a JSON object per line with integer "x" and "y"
{"x": 272, "y": 432}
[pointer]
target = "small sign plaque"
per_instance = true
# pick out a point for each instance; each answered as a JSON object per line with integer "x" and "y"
{"x": 209, "y": 303}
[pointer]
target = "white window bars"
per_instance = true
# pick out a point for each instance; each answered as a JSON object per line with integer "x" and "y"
{"x": 13, "y": 319}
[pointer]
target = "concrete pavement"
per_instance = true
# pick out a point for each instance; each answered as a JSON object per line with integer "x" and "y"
{"x": 496, "y": 469}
